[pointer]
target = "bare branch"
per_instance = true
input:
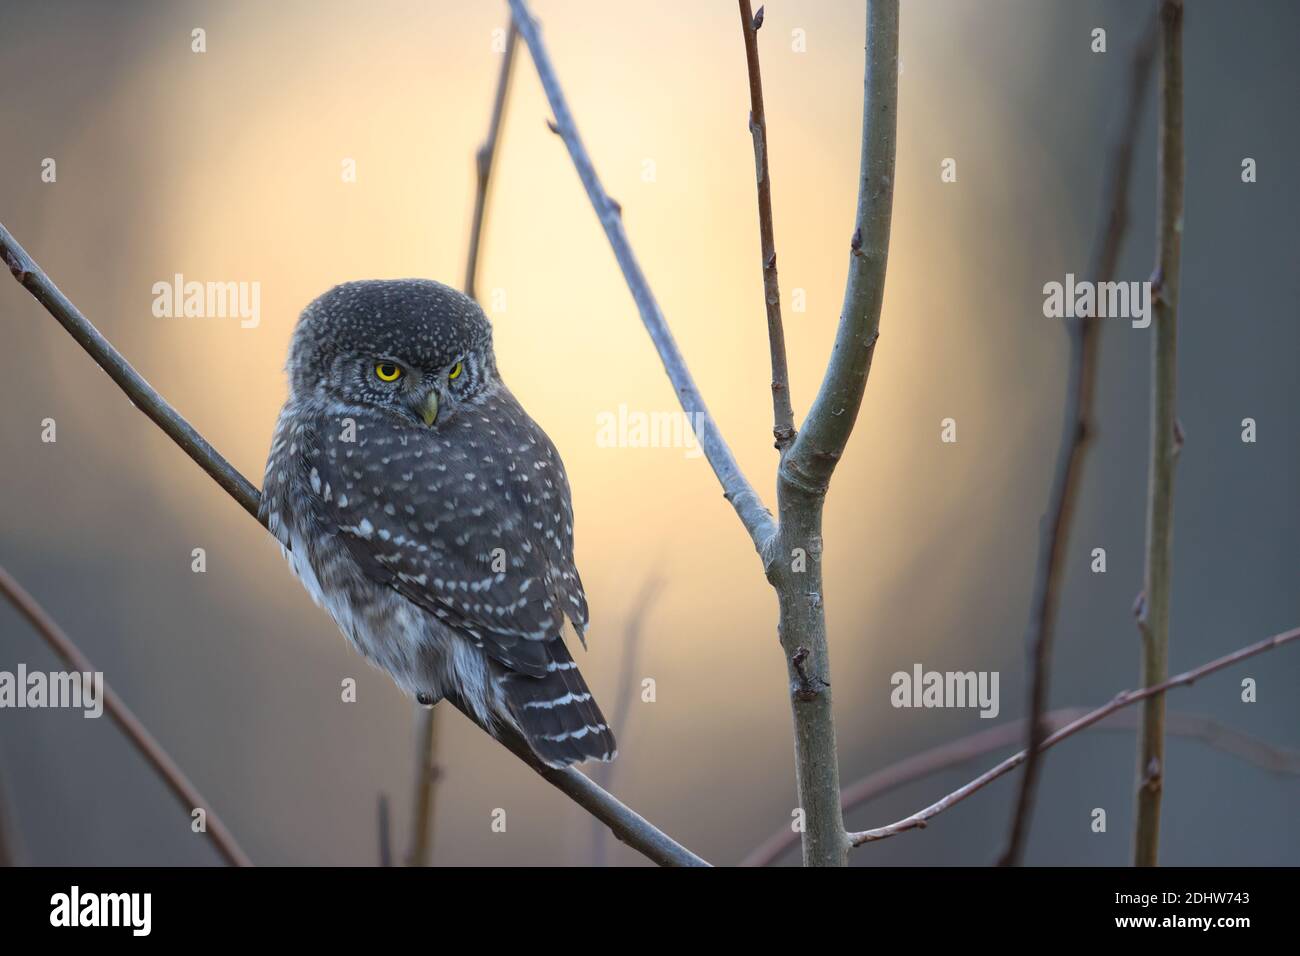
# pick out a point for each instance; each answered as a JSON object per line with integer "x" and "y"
{"x": 627, "y": 825}
{"x": 11, "y": 852}
{"x": 735, "y": 486}
{"x": 385, "y": 832}
{"x": 1124, "y": 699}
{"x": 144, "y": 742}
{"x": 603, "y": 773}
{"x": 427, "y": 774}
{"x": 793, "y": 565}
{"x": 816, "y": 451}
{"x": 954, "y": 753}
{"x": 1153, "y": 618}
{"x": 483, "y": 161}
{"x": 782, "y": 413}
{"x": 1076, "y": 435}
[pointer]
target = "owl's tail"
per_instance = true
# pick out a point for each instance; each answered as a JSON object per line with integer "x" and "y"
{"x": 557, "y": 713}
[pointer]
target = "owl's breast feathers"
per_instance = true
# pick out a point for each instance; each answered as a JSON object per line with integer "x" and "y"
{"x": 471, "y": 521}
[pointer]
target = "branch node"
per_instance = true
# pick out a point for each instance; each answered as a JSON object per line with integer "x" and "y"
{"x": 806, "y": 688}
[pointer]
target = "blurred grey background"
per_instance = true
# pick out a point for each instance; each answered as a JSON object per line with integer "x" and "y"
{"x": 225, "y": 165}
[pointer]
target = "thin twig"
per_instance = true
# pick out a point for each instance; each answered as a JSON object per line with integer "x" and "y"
{"x": 817, "y": 449}
{"x": 1076, "y": 436}
{"x": 627, "y": 825}
{"x": 1153, "y": 606}
{"x": 954, "y": 753}
{"x": 603, "y": 773}
{"x": 144, "y": 742}
{"x": 427, "y": 774}
{"x": 483, "y": 161}
{"x": 1124, "y": 699}
{"x": 385, "y": 832}
{"x": 735, "y": 486}
{"x": 782, "y": 413}
{"x": 11, "y": 853}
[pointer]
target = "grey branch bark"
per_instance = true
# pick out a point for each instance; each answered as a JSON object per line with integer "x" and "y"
{"x": 782, "y": 412}
{"x": 1076, "y": 436}
{"x": 807, "y": 465}
{"x": 735, "y": 486}
{"x": 185, "y": 792}
{"x": 794, "y": 565}
{"x": 954, "y": 753}
{"x": 627, "y": 825}
{"x": 1166, "y": 439}
{"x": 1124, "y": 699}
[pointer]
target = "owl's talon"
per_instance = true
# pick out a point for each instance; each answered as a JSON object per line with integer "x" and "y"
{"x": 425, "y": 700}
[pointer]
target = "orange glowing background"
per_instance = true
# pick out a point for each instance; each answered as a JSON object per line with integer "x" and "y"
{"x": 226, "y": 166}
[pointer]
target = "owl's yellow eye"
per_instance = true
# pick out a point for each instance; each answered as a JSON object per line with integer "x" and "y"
{"x": 456, "y": 370}
{"x": 388, "y": 372}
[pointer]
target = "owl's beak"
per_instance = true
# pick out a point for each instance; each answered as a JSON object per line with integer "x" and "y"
{"x": 429, "y": 407}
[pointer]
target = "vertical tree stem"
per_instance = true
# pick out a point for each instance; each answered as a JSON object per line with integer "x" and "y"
{"x": 1153, "y": 610}
{"x": 794, "y": 564}
{"x": 427, "y": 772}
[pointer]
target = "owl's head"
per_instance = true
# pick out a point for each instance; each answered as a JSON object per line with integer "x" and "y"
{"x": 414, "y": 348}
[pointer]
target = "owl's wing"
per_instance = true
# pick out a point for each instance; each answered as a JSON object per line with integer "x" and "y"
{"x": 475, "y": 526}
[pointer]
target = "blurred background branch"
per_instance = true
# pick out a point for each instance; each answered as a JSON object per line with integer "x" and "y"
{"x": 1077, "y": 433}
{"x": 149, "y": 748}
{"x": 1124, "y": 699}
{"x": 625, "y": 693}
{"x": 483, "y": 162}
{"x": 947, "y": 756}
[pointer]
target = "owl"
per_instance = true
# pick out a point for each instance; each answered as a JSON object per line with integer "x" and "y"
{"x": 421, "y": 506}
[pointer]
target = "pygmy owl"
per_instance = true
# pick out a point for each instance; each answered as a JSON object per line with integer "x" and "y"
{"x": 423, "y": 508}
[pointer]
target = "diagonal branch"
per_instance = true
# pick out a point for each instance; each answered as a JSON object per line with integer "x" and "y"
{"x": 144, "y": 742}
{"x": 954, "y": 753}
{"x": 920, "y": 819}
{"x": 735, "y": 486}
{"x": 1153, "y": 613}
{"x": 483, "y": 161}
{"x": 1076, "y": 435}
{"x": 627, "y": 825}
{"x": 782, "y": 413}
